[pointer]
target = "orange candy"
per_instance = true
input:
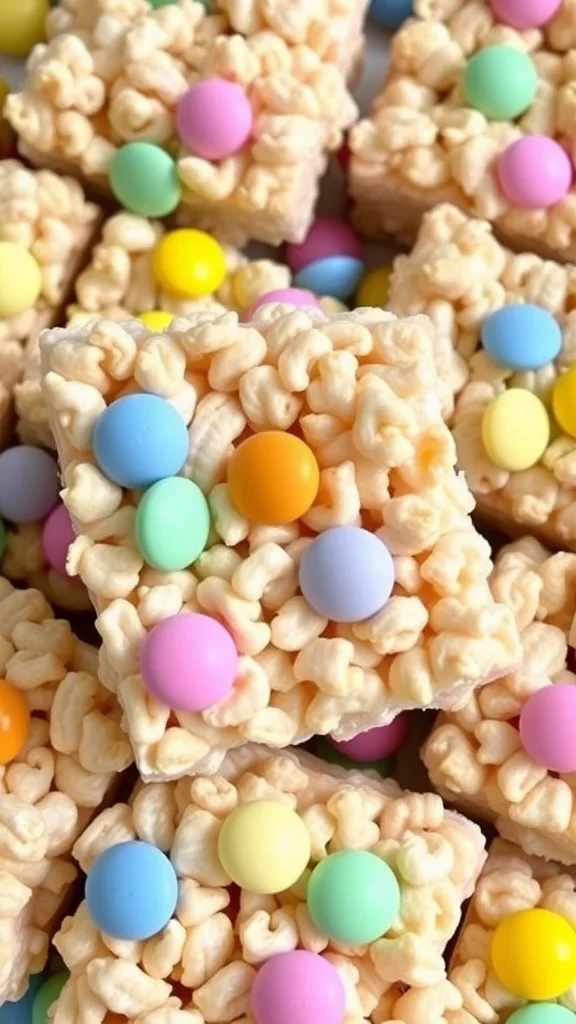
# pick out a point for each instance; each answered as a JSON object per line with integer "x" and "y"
{"x": 14, "y": 722}
{"x": 273, "y": 478}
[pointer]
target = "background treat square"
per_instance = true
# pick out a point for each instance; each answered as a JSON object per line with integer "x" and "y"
{"x": 475, "y": 757}
{"x": 510, "y": 882}
{"x": 458, "y": 274}
{"x": 128, "y": 73}
{"x": 435, "y": 854}
{"x": 51, "y": 790}
{"x": 387, "y": 462}
{"x": 423, "y": 145}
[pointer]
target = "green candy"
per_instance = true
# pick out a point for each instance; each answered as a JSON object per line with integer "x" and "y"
{"x": 144, "y": 178}
{"x": 46, "y": 995}
{"x": 161, "y": 3}
{"x": 353, "y": 897}
{"x": 500, "y": 81}
{"x": 172, "y": 524}
{"x": 543, "y": 1013}
{"x": 327, "y": 752}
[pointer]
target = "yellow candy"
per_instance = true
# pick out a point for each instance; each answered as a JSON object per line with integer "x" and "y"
{"x": 374, "y": 287}
{"x": 189, "y": 263}
{"x": 533, "y": 954}
{"x": 564, "y": 401}
{"x": 264, "y": 846}
{"x": 20, "y": 280}
{"x": 21, "y": 25}
{"x": 156, "y": 320}
{"x": 515, "y": 429}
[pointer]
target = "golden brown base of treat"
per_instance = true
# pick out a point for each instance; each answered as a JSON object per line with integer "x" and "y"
{"x": 493, "y": 518}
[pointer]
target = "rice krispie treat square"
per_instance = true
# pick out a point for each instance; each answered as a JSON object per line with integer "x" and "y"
{"x": 219, "y": 116}
{"x": 508, "y": 753}
{"x": 476, "y": 109}
{"x": 506, "y": 342}
{"x": 46, "y": 226}
{"x": 312, "y": 535}
{"x": 515, "y": 957}
{"x": 219, "y": 918}
{"x": 61, "y": 749}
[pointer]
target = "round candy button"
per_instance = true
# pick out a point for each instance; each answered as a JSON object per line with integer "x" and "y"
{"x": 131, "y": 891}
{"x": 157, "y": 320}
{"x": 533, "y": 954}
{"x": 346, "y": 574}
{"x": 57, "y": 536}
{"x": 298, "y": 986}
{"x": 521, "y": 337}
{"x": 214, "y": 118}
{"x": 189, "y": 661}
{"x": 326, "y": 237}
{"x": 144, "y": 179}
{"x": 46, "y": 997}
{"x": 374, "y": 744}
{"x": 291, "y": 296}
{"x": 264, "y": 846}
{"x": 524, "y": 14}
{"x": 548, "y": 727}
{"x": 515, "y": 430}
{"x": 20, "y": 280}
{"x": 353, "y": 897}
{"x": 390, "y": 14}
{"x": 14, "y": 722}
{"x": 325, "y": 750}
{"x": 374, "y": 288}
{"x": 140, "y": 439}
{"x": 22, "y": 25}
{"x": 543, "y": 1013}
{"x": 172, "y": 524}
{"x": 534, "y": 172}
{"x": 564, "y": 401}
{"x": 29, "y": 484}
{"x": 188, "y": 263}
{"x": 335, "y": 275}
{"x": 273, "y": 478}
{"x": 500, "y": 81}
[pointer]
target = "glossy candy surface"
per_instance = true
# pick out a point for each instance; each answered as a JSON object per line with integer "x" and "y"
{"x": 172, "y": 524}
{"x": 521, "y": 337}
{"x": 188, "y": 263}
{"x": 535, "y": 172}
{"x": 515, "y": 429}
{"x": 189, "y": 661}
{"x": 353, "y": 897}
{"x": 264, "y": 846}
{"x": 29, "y": 484}
{"x": 533, "y": 953}
{"x": 297, "y": 987}
{"x": 500, "y": 81}
{"x": 214, "y": 118}
{"x": 144, "y": 179}
{"x": 131, "y": 890}
{"x": 14, "y": 722}
{"x": 346, "y": 574}
{"x": 140, "y": 439}
{"x": 548, "y": 726}
{"x": 273, "y": 478}
{"x": 374, "y": 744}
{"x": 20, "y": 280}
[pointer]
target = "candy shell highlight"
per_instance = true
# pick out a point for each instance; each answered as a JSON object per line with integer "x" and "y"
{"x": 515, "y": 430}
{"x": 346, "y": 574}
{"x": 338, "y": 276}
{"x": 273, "y": 478}
{"x": 144, "y": 179}
{"x": 521, "y": 337}
{"x": 525, "y": 14}
{"x": 20, "y": 280}
{"x": 140, "y": 439}
{"x": 298, "y": 987}
{"x": 564, "y": 401}
{"x": 353, "y": 897}
{"x": 172, "y": 524}
{"x": 534, "y": 172}
{"x": 264, "y": 846}
{"x": 500, "y": 81}
{"x": 214, "y": 118}
{"x": 548, "y": 726}
{"x": 533, "y": 954}
{"x": 14, "y": 722}
{"x": 188, "y": 264}
{"x": 131, "y": 891}
{"x": 29, "y": 484}
{"x": 374, "y": 744}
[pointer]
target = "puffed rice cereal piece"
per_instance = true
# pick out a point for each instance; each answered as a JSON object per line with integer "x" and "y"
{"x": 425, "y": 143}
{"x": 459, "y": 275}
{"x": 113, "y": 74}
{"x": 511, "y": 883}
{"x": 62, "y": 751}
{"x": 362, "y": 390}
{"x": 201, "y": 966}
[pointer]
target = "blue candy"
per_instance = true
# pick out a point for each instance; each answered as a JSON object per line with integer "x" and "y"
{"x": 521, "y": 337}
{"x": 140, "y": 439}
{"x": 131, "y": 890}
{"x": 20, "y": 1012}
{"x": 346, "y": 574}
{"x": 338, "y": 276}
{"x": 391, "y": 13}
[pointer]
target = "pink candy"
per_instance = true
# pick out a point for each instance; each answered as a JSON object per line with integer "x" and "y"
{"x": 525, "y": 14}
{"x": 57, "y": 536}
{"x": 534, "y": 172}
{"x": 374, "y": 744}
{"x": 325, "y": 238}
{"x": 292, "y": 296}
{"x": 189, "y": 662}
{"x": 214, "y": 118}
{"x": 298, "y": 987}
{"x": 548, "y": 727}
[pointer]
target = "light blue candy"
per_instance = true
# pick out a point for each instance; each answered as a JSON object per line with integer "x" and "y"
{"x": 140, "y": 439}
{"x": 346, "y": 574}
{"x": 391, "y": 13}
{"x": 338, "y": 276}
{"x": 131, "y": 891}
{"x": 543, "y": 1013}
{"x": 20, "y": 1012}
{"x": 521, "y": 337}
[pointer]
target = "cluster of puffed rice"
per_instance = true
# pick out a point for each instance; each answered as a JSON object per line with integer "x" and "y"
{"x": 50, "y": 791}
{"x": 362, "y": 386}
{"x": 435, "y": 855}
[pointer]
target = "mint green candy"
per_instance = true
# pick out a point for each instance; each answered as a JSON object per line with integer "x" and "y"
{"x": 161, "y": 3}
{"x": 46, "y": 995}
{"x": 500, "y": 81}
{"x": 543, "y": 1013}
{"x": 144, "y": 178}
{"x": 353, "y": 897}
{"x": 172, "y": 524}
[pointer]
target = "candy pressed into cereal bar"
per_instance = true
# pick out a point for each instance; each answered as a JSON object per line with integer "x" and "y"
{"x": 242, "y": 911}
{"x": 477, "y": 109}
{"x": 61, "y": 749}
{"x": 508, "y": 754}
{"x": 217, "y": 114}
{"x": 279, "y": 498}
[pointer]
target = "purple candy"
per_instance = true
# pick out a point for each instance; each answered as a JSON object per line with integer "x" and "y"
{"x": 298, "y": 987}
{"x": 548, "y": 727}
{"x": 346, "y": 574}
{"x": 29, "y": 484}
{"x": 374, "y": 744}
